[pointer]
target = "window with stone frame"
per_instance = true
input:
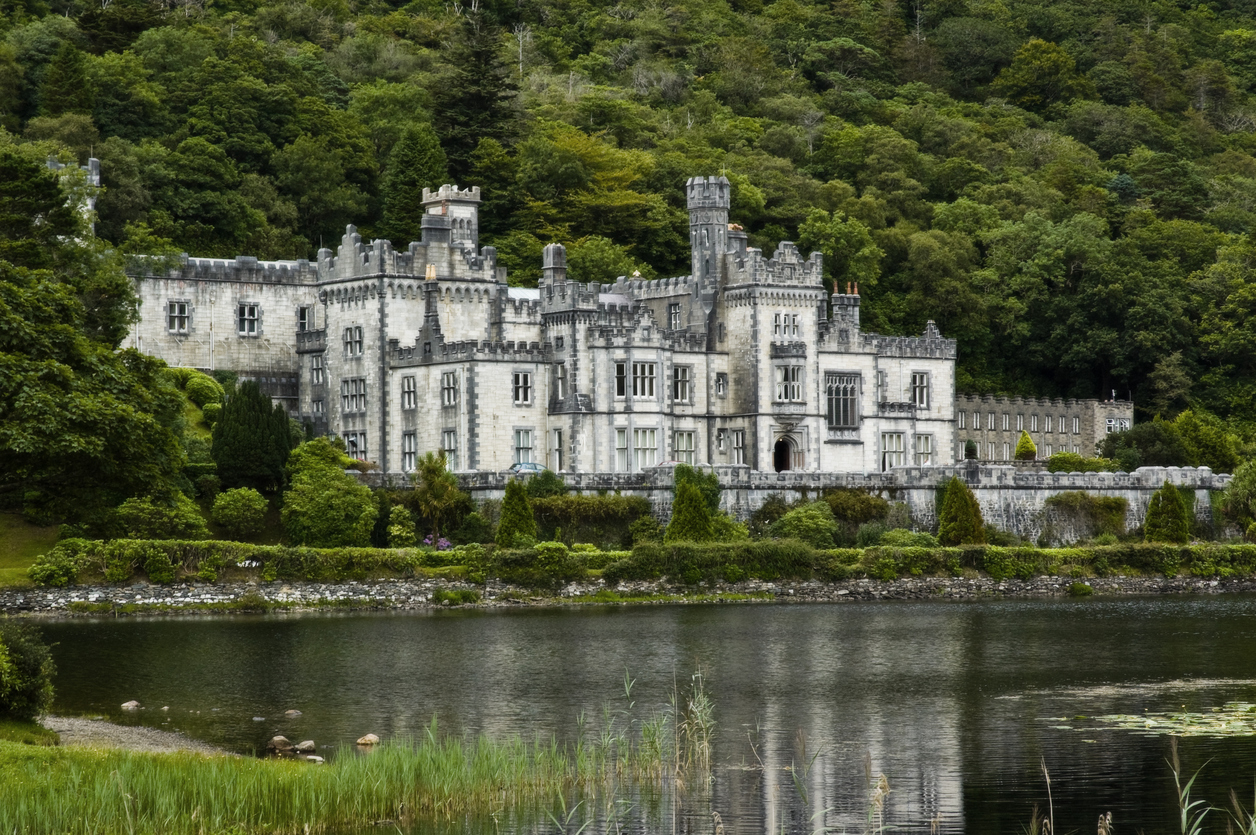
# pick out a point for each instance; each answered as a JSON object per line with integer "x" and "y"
{"x": 990, "y": 451}
{"x": 842, "y": 401}
{"x": 1047, "y": 451}
{"x": 248, "y": 319}
{"x": 521, "y": 387}
{"x": 355, "y": 445}
{"x": 409, "y": 451}
{"x": 683, "y": 443}
{"x": 789, "y": 383}
{"x": 1007, "y": 421}
{"x": 920, "y": 390}
{"x": 645, "y": 448}
{"x": 1020, "y": 423}
{"x": 523, "y": 446}
{"x": 409, "y": 393}
{"x": 317, "y": 406}
{"x": 353, "y": 395}
{"x": 353, "y": 341}
{"x": 1047, "y": 422}
{"x": 990, "y": 421}
{"x": 556, "y": 450}
{"x": 673, "y": 316}
{"x": 621, "y": 379}
{"x": 449, "y": 388}
{"x": 1077, "y": 426}
{"x": 621, "y": 450}
{"x": 682, "y": 384}
{"x": 318, "y": 374}
{"x": 778, "y": 324}
{"x": 959, "y": 417}
{"x": 721, "y": 439}
{"x": 560, "y": 381}
{"x": 1007, "y": 452}
{"x": 721, "y": 384}
{"x": 739, "y": 446}
{"x": 924, "y": 450}
{"x": 1033, "y": 423}
{"x": 643, "y": 376}
{"x": 893, "y": 450}
{"x": 449, "y": 445}
{"x": 303, "y": 319}
{"x": 177, "y": 318}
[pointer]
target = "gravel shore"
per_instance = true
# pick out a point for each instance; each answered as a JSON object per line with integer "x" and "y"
{"x": 97, "y": 733}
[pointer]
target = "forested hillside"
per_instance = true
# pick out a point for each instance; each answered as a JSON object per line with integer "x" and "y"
{"x": 1065, "y": 187}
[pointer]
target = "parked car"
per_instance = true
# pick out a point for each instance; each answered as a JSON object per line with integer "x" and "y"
{"x": 529, "y": 468}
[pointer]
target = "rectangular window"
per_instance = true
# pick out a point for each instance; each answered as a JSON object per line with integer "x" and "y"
{"x": 791, "y": 322}
{"x": 739, "y": 446}
{"x": 920, "y": 391}
{"x": 681, "y": 389}
{"x": 645, "y": 448}
{"x": 409, "y": 394}
{"x": 1007, "y": 421}
{"x": 621, "y": 450}
{"x": 317, "y": 376}
{"x": 353, "y": 342}
{"x": 684, "y": 448}
{"x": 303, "y": 319}
{"x": 842, "y": 396}
{"x": 673, "y": 316}
{"x": 1048, "y": 450}
{"x": 777, "y": 324}
{"x": 556, "y": 450}
{"x": 1077, "y": 428}
{"x": 621, "y": 379}
{"x": 522, "y": 387}
{"x": 721, "y": 384}
{"x": 355, "y": 445}
{"x": 318, "y": 406}
{"x": 449, "y": 444}
{"x": 990, "y": 451}
{"x": 523, "y": 446}
{"x": 1117, "y": 424}
{"x": 789, "y": 383}
{"x": 1047, "y": 421}
{"x": 247, "y": 319}
{"x": 976, "y": 420}
{"x": 1033, "y": 423}
{"x": 721, "y": 438}
{"x": 449, "y": 388}
{"x": 177, "y": 317}
{"x": 353, "y": 395}
{"x": 409, "y": 451}
{"x": 1007, "y": 452}
{"x": 560, "y": 381}
{"x": 893, "y": 450}
{"x": 643, "y": 379}
{"x": 924, "y": 450}
{"x": 990, "y": 421}
{"x": 1020, "y": 423}
{"x": 961, "y": 416}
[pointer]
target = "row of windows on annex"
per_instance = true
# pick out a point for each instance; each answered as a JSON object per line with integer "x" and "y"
{"x": 248, "y": 318}
{"x": 1005, "y": 451}
{"x": 1051, "y": 424}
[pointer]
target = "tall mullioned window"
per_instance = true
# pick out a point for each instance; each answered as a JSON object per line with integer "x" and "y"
{"x": 684, "y": 443}
{"x": 409, "y": 393}
{"x": 842, "y": 401}
{"x": 621, "y": 379}
{"x": 621, "y": 450}
{"x": 560, "y": 381}
{"x": 924, "y": 450}
{"x": 303, "y": 319}
{"x": 409, "y": 451}
{"x": 353, "y": 342}
{"x": 739, "y": 446}
{"x": 177, "y": 317}
{"x": 449, "y": 445}
{"x": 523, "y": 446}
{"x": 353, "y": 395}
{"x": 893, "y": 450}
{"x": 789, "y": 383}
{"x": 682, "y": 390}
{"x": 673, "y": 316}
{"x": 355, "y": 445}
{"x": 920, "y": 391}
{"x": 449, "y": 388}
{"x": 643, "y": 376}
{"x": 556, "y": 449}
{"x": 521, "y": 383}
{"x": 248, "y": 318}
{"x": 317, "y": 374}
{"x": 645, "y": 448}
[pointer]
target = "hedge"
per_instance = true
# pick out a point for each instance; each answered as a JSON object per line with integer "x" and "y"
{"x": 603, "y": 520}
{"x": 551, "y": 564}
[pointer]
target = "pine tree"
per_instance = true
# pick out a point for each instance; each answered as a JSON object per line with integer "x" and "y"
{"x": 517, "y": 520}
{"x": 691, "y": 519}
{"x": 65, "y": 87}
{"x": 960, "y": 521}
{"x": 417, "y": 161}
{"x": 1166, "y": 517}
{"x": 1026, "y": 450}
{"x": 251, "y": 441}
{"x": 476, "y": 101}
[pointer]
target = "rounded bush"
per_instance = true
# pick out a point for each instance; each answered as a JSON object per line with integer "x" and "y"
{"x": 26, "y": 671}
{"x": 203, "y": 390}
{"x": 241, "y": 511}
{"x": 211, "y": 412}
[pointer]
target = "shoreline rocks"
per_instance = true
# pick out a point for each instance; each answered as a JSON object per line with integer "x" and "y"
{"x": 215, "y": 598}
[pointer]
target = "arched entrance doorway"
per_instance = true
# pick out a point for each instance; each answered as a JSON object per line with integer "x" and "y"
{"x": 783, "y": 455}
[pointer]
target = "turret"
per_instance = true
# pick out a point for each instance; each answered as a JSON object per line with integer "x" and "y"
{"x": 461, "y": 208}
{"x": 709, "y": 199}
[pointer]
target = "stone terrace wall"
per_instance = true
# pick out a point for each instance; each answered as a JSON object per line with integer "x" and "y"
{"x": 1011, "y": 498}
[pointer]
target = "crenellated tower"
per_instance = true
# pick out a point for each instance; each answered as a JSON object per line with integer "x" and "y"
{"x": 709, "y": 199}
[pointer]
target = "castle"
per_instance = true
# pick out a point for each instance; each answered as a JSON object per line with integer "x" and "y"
{"x": 739, "y": 363}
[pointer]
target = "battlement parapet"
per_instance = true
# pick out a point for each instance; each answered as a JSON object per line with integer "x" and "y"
{"x": 932, "y": 345}
{"x": 786, "y": 266}
{"x": 461, "y": 350}
{"x": 708, "y": 193}
{"x": 242, "y": 268}
{"x": 312, "y": 342}
{"x": 357, "y": 259}
{"x": 1021, "y": 402}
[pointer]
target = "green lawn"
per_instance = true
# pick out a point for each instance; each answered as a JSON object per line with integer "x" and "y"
{"x": 20, "y": 543}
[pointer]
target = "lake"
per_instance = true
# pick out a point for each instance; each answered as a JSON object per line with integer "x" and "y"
{"x": 957, "y": 704}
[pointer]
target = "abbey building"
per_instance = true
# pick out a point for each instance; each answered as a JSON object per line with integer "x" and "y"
{"x": 743, "y": 362}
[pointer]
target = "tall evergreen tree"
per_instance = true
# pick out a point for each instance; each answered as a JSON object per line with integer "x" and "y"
{"x": 251, "y": 440}
{"x": 417, "y": 161}
{"x": 1167, "y": 519}
{"x": 960, "y": 521}
{"x": 517, "y": 520}
{"x": 476, "y": 103}
{"x": 691, "y": 520}
{"x": 65, "y": 88}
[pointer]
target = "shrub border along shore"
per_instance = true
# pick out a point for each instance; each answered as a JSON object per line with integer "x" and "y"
{"x": 552, "y": 565}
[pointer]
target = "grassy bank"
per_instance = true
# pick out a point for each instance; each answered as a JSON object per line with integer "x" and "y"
{"x": 20, "y": 544}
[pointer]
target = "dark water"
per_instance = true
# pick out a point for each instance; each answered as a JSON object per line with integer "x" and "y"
{"x": 956, "y": 703}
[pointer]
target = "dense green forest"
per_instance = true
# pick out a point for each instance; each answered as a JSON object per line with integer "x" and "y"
{"x": 1065, "y": 187}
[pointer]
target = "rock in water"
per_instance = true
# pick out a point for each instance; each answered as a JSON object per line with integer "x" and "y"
{"x": 279, "y": 745}
{"x": 131, "y": 705}
{"x": 369, "y": 739}
{"x": 291, "y": 714}
{"x": 306, "y": 747}
{"x": 313, "y": 759}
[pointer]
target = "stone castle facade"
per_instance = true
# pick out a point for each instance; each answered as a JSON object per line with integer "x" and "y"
{"x": 400, "y": 352}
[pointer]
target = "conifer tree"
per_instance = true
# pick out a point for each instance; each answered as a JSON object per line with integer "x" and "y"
{"x": 65, "y": 88}
{"x": 475, "y": 103}
{"x": 960, "y": 521}
{"x": 251, "y": 440}
{"x": 691, "y": 519}
{"x": 1166, "y": 517}
{"x": 1026, "y": 450}
{"x": 517, "y": 520}
{"x": 417, "y": 161}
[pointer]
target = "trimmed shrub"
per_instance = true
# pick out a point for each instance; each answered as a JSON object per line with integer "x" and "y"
{"x": 517, "y": 521}
{"x": 691, "y": 516}
{"x": 596, "y": 519}
{"x": 970, "y": 450}
{"x": 207, "y": 487}
{"x": 813, "y": 523}
{"x": 401, "y": 528}
{"x": 211, "y": 413}
{"x": 147, "y": 518}
{"x": 902, "y": 538}
{"x": 646, "y": 529}
{"x": 203, "y": 390}
{"x": 708, "y": 485}
{"x": 960, "y": 521}
{"x": 725, "y": 528}
{"x": 241, "y": 511}
{"x": 1026, "y": 450}
{"x": 1166, "y": 517}
{"x": 26, "y": 671}
{"x": 692, "y": 562}
{"x": 545, "y": 484}
{"x": 1240, "y": 496}
{"x": 1071, "y": 462}
{"x": 856, "y": 506}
